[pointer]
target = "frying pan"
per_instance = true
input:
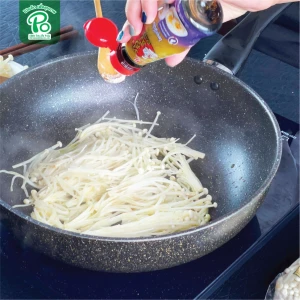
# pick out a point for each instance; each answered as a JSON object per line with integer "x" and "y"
{"x": 234, "y": 127}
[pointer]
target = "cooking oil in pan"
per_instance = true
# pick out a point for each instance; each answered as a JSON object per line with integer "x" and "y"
{"x": 106, "y": 70}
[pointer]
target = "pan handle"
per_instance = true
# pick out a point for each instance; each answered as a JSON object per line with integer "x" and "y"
{"x": 233, "y": 49}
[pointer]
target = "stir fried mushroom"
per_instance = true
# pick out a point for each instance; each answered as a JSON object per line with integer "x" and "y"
{"x": 116, "y": 179}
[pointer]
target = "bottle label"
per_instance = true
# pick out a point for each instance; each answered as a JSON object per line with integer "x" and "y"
{"x": 169, "y": 34}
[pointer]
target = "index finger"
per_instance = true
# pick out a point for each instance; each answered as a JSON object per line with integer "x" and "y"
{"x": 150, "y": 8}
{"x": 133, "y": 12}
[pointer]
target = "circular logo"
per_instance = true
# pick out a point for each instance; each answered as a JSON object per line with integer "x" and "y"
{"x": 38, "y": 21}
{"x": 173, "y": 40}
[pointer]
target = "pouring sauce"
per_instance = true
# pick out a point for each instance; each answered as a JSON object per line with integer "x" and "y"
{"x": 106, "y": 70}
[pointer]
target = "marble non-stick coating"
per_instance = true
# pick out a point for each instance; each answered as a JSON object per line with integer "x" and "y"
{"x": 234, "y": 127}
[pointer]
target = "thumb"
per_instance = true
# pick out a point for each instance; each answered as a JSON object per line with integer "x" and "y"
{"x": 174, "y": 60}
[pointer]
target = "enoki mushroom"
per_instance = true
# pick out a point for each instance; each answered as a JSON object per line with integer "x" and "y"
{"x": 6, "y": 69}
{"x": 116, "y": 179}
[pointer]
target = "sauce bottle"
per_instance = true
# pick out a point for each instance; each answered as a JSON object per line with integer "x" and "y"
{"x": 177, "y": 27}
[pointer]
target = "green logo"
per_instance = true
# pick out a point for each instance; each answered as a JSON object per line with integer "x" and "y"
{"x": 39, "y": 21}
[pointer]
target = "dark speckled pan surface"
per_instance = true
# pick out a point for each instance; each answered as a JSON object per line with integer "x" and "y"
{"x": 234, "y": 127}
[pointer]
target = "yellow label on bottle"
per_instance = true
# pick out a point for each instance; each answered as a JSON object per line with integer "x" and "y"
{"x": 171, "y": 33}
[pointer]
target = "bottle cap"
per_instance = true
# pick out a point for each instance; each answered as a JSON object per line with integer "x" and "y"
{"x": 102, "y": 32}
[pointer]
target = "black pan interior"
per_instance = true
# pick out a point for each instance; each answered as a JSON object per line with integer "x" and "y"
{"x": 234, "y": 127}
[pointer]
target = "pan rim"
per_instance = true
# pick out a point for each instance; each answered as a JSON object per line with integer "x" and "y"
{"x": 256, "y": 196}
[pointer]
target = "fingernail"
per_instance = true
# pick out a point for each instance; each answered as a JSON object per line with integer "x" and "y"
{"x": 131, "y": 30}
{"x": 144, "y": 17}
{"x": 120, "y": 35}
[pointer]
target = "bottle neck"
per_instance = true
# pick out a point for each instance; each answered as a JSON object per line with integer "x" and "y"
{"x": 207, "y": 16}
{"x": 121, "y": 62}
